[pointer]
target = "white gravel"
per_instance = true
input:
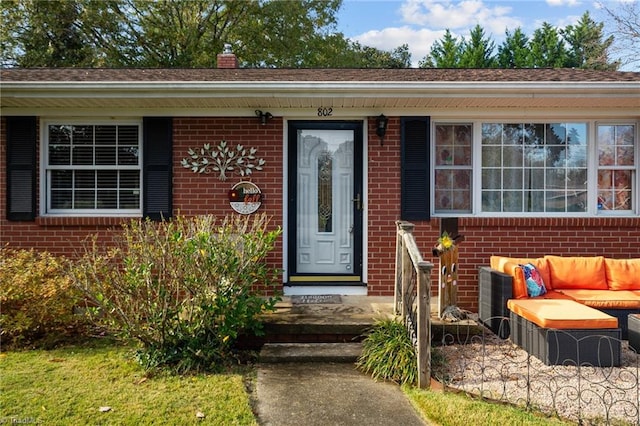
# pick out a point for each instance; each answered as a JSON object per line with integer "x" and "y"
{"x": 497, "y": 369}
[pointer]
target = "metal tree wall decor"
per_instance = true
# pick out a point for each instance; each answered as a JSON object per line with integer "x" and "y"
{"x": 223, "y": 159}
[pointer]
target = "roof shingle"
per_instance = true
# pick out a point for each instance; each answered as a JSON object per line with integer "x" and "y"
{"x": 303, "y": 75}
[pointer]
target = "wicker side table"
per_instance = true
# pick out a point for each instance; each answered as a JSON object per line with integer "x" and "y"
{"x": 634, "y": 332}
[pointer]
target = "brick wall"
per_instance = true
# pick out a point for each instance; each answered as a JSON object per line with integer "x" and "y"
{"x": 195, "y": 193}
{"x": 200, "y": 194}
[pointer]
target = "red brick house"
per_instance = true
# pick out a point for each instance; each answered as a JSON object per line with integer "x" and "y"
{"x": 531, "y": 162}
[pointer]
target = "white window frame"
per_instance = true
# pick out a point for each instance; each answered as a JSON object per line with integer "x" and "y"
{"x": 434, "y": 167}
{"x": 45, "y": 177}
{"x": 592, "y": 167}
{"x": 635, "y": 170}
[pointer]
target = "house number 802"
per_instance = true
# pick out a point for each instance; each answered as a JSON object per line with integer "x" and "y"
{"x": 325, "y": 112}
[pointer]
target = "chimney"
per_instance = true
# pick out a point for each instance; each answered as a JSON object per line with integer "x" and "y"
{"x": 227, "y": 59}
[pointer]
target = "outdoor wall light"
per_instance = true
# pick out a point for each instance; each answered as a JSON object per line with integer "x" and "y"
{"x": 264, "y": 116}
{"x": 381, "y": 127}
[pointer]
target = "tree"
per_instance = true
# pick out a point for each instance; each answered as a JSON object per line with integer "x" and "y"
{"x": 444, "y": 53}
{"x": 514, "y": 51}
{"x": 547, "y": 48}
{"x": 587, "y": 49}
{"x": 37, "y": 32}
{"x": 477, "y": 51}
{"x": 625, "y": 18}
{"x": 182, "y": 33}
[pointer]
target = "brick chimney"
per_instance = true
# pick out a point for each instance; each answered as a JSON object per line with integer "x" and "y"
{"x": 227, "y": 59}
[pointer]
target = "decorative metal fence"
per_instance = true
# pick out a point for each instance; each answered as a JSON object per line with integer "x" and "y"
{"x": 472, "y": 359}
{"x": 412, "y": 299}
{"x": 493, "y": 368}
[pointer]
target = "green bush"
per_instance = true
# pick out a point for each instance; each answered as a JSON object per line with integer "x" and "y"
{"x": 184, "y": 288}
{"x": 388, "y": 353}
{"x": 36, "y": 297}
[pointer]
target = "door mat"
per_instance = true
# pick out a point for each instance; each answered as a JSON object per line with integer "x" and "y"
{"x": 316, "y": 299}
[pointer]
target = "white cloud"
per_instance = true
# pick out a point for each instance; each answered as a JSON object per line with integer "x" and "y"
{"x": 427, "y": 20}
{"x": 441, "y": 14}
{"x": 563, "y": 2}
{"x": 419, "y": 40}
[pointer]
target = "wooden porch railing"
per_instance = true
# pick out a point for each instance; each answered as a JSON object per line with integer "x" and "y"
{"x": 412, "y": 300}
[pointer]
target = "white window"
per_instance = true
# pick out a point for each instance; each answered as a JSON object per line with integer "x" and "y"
{"x": 543, "y": 168}
{"x": 534, "y": 168}
{"x": 616, "y": 167}
{"x": 92, "y": 168}
{"x": 453, "y": 167}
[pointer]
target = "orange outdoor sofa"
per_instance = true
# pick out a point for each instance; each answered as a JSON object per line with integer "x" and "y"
{"x": 552, "y": 301}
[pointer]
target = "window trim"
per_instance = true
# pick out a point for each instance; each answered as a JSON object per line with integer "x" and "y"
{"x": 592, "y": 166}
{"x": 45, "y": 183}
{"x": 434, "y": 167}
{"x": 635, "y": 169}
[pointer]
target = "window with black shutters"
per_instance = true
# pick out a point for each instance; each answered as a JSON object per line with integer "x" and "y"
{"x": 92, "y": 168}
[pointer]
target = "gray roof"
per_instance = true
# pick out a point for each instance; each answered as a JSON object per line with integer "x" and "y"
{"x": 327, "y": 75}
{"x": 361, "y": 91}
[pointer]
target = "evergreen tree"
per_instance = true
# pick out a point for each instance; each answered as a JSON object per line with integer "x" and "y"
{"x": 444, "y": 53}
{"x": 587, "y": 49}
{"x": 514, "y": 51}
{"x": 477, "y": 51}
{"x": 547, "y": 48}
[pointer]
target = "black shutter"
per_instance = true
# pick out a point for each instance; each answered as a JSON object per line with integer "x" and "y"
{"x": 157, "y": 166}
{"x": 21, "y": 168}
{"x": 415, "y": 180}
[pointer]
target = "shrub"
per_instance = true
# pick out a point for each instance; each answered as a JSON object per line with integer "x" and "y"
{"x": 388, "y": 353}
{"x": 36, "y": 297}
{"x": 184, "y": 288}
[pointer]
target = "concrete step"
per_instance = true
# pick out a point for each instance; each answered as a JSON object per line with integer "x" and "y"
{"x": 310, "y": 352}
{"x": 305, "y": 332}
{"x": 343, "y": 322}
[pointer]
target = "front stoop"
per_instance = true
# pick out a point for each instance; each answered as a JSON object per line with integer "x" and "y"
{"x": 320, "y": 332}
{"x": 310, "y": 352}
{"x": 344, "y": 322}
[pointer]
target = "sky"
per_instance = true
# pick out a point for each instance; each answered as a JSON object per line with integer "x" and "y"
{"x": 387, "y": 24}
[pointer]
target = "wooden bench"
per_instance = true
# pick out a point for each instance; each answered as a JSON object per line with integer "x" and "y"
{"x": 565, "y": 332}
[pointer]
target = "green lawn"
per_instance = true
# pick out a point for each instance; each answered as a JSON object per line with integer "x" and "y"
{"x": 69, "y": 386}
{"x": 453, "y": 409}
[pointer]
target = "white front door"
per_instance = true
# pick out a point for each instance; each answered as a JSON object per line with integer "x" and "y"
{"x": 325, "y": 203}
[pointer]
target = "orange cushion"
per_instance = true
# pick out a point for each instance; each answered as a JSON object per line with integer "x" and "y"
{"x": 553, "y": 294}
{"x": 519, "y": 285}
{"x": 498, "y": 263}
{"x": 577, "y": 272}
{"x": 561, "y": 314}
{"x": 605, "y": 299}
{"x": 623, "y": 274}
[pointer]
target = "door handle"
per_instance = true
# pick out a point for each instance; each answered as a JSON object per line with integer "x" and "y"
{"x": 358, "y": 202}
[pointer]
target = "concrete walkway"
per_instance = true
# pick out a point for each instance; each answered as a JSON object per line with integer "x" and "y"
{"x": 317, "y": 384}
{"x": 328, "y": 394}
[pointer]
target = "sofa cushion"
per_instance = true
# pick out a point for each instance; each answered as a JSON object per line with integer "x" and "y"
{"x": 498, "y": 263}
{"x": 623, "y": 274}
{"x": 519, "y": 285}
{"x": 561, "y": 314}
{"x": 605, "y": 299}
{"x": 577, "y": 272}
{"x": 533, "y": 280}
{"x": 553, "y": 294}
